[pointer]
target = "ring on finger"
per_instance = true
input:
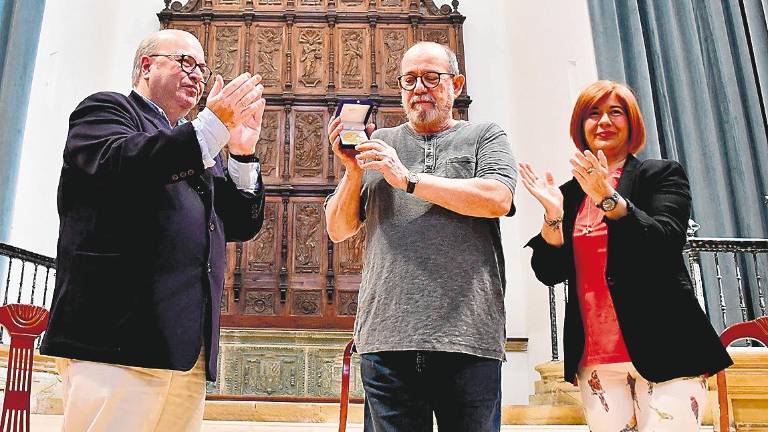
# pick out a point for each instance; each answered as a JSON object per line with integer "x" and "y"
{"x": 589, "y": 171}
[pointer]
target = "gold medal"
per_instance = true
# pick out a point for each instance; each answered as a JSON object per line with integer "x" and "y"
{"x": 352, "y": 137}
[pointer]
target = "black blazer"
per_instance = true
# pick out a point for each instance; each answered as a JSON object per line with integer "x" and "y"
{"x": 141, "y": 252}
{"x": 667, "y": 334}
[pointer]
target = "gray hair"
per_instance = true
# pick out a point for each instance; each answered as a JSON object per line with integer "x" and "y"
{"x": 453, "y": 62}
{"x": 146, "y": 47}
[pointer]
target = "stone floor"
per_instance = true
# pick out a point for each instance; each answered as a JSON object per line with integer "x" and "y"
{"x": 52, "y": 423}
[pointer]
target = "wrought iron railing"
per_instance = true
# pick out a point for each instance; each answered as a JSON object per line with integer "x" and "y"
{"x": 27, "y": 278}
{"x": 729, "y": 278}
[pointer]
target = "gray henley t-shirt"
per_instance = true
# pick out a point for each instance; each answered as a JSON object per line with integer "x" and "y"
{"x": 433, "y": 279}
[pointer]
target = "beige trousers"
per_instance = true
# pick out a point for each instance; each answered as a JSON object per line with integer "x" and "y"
{"x": 100, "y": 397}
{"x": 617, "y": 399}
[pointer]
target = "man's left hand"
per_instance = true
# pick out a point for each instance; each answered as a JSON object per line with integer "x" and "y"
{"x": 378, "y": 155}
{"x": 243, "y": 138}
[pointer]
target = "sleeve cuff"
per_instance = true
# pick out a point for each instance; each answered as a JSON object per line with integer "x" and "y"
{"x": 212, "y": 135}
{"x": 245, "y": 175}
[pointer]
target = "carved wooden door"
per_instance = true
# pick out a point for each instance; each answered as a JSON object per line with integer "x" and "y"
{"x": 309, "y": 53}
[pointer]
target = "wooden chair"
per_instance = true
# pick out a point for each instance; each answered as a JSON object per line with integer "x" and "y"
{"x": 756, "y": 329}
{"x": 24, "y": 323}
{"x": 344, "y": 403}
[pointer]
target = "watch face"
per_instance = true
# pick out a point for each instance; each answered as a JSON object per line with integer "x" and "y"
{"x": 609, "y": 203}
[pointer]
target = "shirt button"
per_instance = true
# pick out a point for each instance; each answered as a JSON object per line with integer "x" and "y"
{"x": 209, "y": 268}
{"x": 212, "y": 227}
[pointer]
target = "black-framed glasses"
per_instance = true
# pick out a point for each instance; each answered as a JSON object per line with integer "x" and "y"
{"x": 189, "y": 64}
{"x": 428, "y": 79}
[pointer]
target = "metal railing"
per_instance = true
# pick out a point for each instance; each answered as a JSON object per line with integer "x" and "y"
{"x": 728, "y": 277}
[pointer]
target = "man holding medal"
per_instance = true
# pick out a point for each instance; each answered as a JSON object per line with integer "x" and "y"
{"x": 429, "y": 194}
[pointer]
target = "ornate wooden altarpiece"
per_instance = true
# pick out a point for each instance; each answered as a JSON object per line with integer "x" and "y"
{"x": 310, "y": 53}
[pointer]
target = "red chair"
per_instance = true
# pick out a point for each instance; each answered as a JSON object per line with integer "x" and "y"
{"x": 345, "y": 368}
{"x": 756, "y": 329}
{"x": 24, "y": 323}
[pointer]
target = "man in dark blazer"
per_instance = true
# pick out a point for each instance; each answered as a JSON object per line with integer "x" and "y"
{"x": 146, "y": 206}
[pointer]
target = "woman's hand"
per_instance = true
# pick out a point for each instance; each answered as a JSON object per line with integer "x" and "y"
{"x": 592, "y": 174}
{"x": 544, "y": 190}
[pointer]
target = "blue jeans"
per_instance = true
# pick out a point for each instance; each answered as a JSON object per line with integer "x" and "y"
{"x": 404, "y": 388}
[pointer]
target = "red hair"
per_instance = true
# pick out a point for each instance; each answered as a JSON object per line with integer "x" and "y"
{"x": 591, "y": 96}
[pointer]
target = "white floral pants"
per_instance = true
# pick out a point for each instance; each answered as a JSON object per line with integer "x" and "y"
{"x": 617, "y": 399}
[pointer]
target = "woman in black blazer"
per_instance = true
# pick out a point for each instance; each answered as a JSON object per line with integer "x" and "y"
{"x": 636, "y": 340}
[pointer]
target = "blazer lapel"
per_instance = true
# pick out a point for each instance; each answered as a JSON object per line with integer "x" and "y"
{"x": 627, "y": 178}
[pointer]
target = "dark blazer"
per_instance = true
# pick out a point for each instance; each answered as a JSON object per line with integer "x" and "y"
{"x": 667, "y": 334}
{"x": 141, "y": 252}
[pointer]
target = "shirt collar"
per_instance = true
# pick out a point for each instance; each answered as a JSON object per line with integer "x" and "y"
{"x": 157, "y": 109}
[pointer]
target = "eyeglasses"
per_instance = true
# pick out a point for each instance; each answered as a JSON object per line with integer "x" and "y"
{"x": 189, "y": 64}
{"x": 428, "y": 79}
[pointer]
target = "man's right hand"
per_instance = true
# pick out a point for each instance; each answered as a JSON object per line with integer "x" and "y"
{"x": 347, "y": 156}
{"x": 237, "y": 101}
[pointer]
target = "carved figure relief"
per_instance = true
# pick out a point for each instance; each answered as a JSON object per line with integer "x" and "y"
{"x": 189, "y": 29}
{"x": 392, "y": 3}
{"x": 352, "y": 254}
{"x": 311, "y": 41}
{"x": 226, "y": 51}
{"x": 270, "y": 42}
{"x": 308, "y": 144}
{"x": 395, "y": 43}
{"x": 267, "y": 145}
{"x": 270, "y": 2}
{"x": 352, "y": 42}
{"x": 224, "y": 302}
{"x": 261, "y": 250}
{"x": 307, "y": 230}
{"x": 306, "y": 303}
{"x": 438, "y": 36}
{"x": 260, "y": 303}
{"x": 310, "y": 3}
{"x": 352, "y": 2}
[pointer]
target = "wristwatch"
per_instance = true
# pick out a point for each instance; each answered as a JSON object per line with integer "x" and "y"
{"x": 412, "y": 178}
{"x": 609, "y": 203}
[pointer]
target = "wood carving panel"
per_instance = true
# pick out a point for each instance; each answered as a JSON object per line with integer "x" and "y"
{"x": 270, "y": 145}
{"x": 310, "y": 53}
{"x": 192, "y": 27}
{"x": 260, "y": 302}
{"x": 307, "y": 303}
{"x": 227, "y": 5}
{"x": 392, "y": 42}
{"x": 269, "y": 4}
{"x": 227, "y": 49}
{"x": 352, "y": 5}
{"x": 311, "y": 5}
{"x": 308, "y": 235}
{"x": 393, "y": 5}
{"x": 439, "y": 34}
{"x": 266, "y": 371}
{"x": 262, "y": 250}
{"x": 324, "y": 374}
{"x": 310, "y": 146}
{"x": 353, "y": 65}
{"x": 351, "y": 252}
{"x": 267, "y": 53}
{"x": 347, "y": 303}
{"x": 391, "y": 117}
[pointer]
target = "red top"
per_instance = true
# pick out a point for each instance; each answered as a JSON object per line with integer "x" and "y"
{"x": 603, "y": 342}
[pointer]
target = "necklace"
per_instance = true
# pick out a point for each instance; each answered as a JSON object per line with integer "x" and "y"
{"x": 590, "y": 224}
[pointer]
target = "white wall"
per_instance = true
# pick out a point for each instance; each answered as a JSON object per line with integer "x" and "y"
{"x": 525, "y": 61}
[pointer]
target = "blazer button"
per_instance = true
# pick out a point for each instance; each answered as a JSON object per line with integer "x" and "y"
{"x": 609, "y": 280}
{"x": 190, "y": 172}
{"x": 174, "y": 177}
{"x": 212, "y": 227}
{"x": 209, "y": 268}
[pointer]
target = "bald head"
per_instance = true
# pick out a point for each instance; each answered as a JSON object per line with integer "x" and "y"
{"x": 155, "y": 43}
{"x": 421, "y": 48}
